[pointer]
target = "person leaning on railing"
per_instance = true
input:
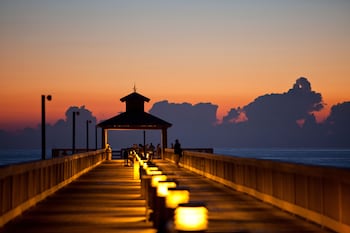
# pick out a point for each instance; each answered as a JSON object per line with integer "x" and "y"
{"x": 177, "y": 151}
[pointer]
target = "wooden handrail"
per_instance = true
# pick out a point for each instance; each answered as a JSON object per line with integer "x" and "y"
{"x": 23, "y": 185}
{"x": 317, "y": 193}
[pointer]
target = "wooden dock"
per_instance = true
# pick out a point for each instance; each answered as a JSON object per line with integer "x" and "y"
{"x": 107, "y": 199}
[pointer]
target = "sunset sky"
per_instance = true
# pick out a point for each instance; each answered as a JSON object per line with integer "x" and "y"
{"x": 92, "y": 53}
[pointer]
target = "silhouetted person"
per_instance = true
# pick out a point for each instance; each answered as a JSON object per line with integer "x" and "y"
{"x": 151, "y": 152}
{"x": 159, "y": 152}
{"x": 126, "y": 157}
{"x": 177, "y": 151}
{"x": 142, "y": 151}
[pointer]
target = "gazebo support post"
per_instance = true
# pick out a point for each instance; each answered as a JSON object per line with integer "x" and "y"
{"x": 164, "y": 140}
{"x": 104, "y": 138}
{"x": 144, "y": 142}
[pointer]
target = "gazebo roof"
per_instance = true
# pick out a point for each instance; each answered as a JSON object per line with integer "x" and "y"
{"x": 135, "y": 96}
{"x": 134, "y": 117}
{"x": 134, "y": 120}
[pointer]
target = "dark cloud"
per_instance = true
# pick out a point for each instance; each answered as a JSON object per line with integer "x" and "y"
{"x": 59, "y": 135}
{"x": 192, "y": 124}
{"x": 6, "y": 140}
{"x": 278, "y": 119}
{"x": 338, "y": 125}
{"x": 232, "y": 116}
{"x": 65, "y": 127}
{"x": 285, "y": 109}
{"x": 272, "y": 120}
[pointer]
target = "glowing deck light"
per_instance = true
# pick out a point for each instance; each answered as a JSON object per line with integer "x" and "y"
{"x": 176, "y": 196}
{"x": 145, "y": 165}
{"x": 153, "y": 171}
{"x": 191, "y": 217}
{"x": 136, "y": 170}
{"x": 162, "y": 188}
{"x": 152, "y": 168}
{"x": 139, "y": 159}
{"x": 156, "y": 179}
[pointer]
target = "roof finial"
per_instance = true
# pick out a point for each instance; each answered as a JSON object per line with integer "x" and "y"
{"x": 134, "y": 87}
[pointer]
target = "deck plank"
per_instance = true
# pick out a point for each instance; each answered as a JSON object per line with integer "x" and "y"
{"x": 233, "y": 211}
{"x": 107, "y": 199}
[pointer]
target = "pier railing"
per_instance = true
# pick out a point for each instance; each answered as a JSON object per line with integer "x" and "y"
{"x": 23, "y": 185}
{"x": 319, "y": 194}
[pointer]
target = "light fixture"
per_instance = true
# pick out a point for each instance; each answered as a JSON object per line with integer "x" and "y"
{"x": 136, "y": 169}
{"x": 145, "y": 165}
{"x": 152, "y": 168}
{"x": 154, "y": 172}
{"x": 140, "y": 161}
{"x": 177, "y": 196}
{"x": 191, "y": 217}
{"x": 156, "y": 178}
{"x": 162, "y": 188}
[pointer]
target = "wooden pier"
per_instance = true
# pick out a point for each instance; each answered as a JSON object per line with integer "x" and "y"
{"x": 90, "y": 192}
{"x": 108, "y": 199}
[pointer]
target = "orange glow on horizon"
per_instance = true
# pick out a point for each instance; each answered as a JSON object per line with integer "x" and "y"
{"x": 226, "y": 54}
{"x": 21, "y": 116}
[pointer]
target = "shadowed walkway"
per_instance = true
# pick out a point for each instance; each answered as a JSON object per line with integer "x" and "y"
{"x": 232, "y": 211}
{"x": 107, "y": 199}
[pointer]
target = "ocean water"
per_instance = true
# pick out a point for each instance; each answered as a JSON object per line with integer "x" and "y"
{"x": 316, "y": 156}
{"x": 323, "y": 157}
{"x": 13, "y": 156}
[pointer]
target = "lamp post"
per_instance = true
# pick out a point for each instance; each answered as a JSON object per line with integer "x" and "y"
{"x": 73, "y": 141}
{"x": 43, "y": 126}
{"x": 87, "y": 134}
{"x": 144, "y": 143}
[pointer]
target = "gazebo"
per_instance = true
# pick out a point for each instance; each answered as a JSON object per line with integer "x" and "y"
{"x": 134, "y": 117}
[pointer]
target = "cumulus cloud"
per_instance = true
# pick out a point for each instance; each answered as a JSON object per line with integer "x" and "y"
{"x": 275, "y": 119}
{"x": 287, "y": 108}
{"x": 232, "y": 116}
{"x": 338, "y": 125}
{"x": 192, "y": 124}
{"x": 58, "y": 135}
{"x": 271, "y": 120}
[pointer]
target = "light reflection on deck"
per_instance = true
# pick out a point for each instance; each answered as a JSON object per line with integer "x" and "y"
{"x": 107, "y": 199}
